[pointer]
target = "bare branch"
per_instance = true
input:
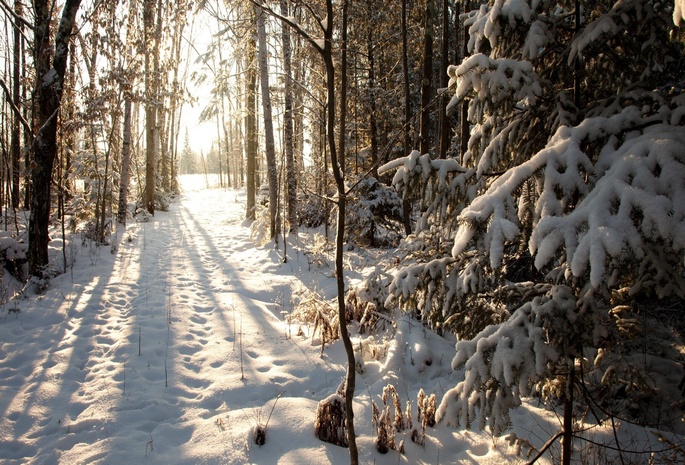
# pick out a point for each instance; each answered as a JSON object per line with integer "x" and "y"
{"x": 15, "y": 109}
{"x": 9, "y": 11}
{"x": 304, "y": 34}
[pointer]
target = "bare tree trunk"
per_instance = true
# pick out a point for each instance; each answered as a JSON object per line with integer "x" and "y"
{"x": 426, "y": 83}
{"x": 327, "y": 54}
{"x": 150, "y": 105}
{"x": 291, "y": 183}
{"x": 251, "y": 132}
{"x": 110, "y": 145}
{"x": 298, "y": 119}
{"x": 406, "y": 206}
{"x": 16, "y": 96}
{"x": 269, "y": 144}
{"x": 160, "y": 130}
{"x": 373, "y": 124}
{"x": 464, "y": 117}
{"x": 50, "y": 71}
{"x": 567, "y": 437}
{"x": 125, "y": 162}
{"x": 218, "y": 152}
{"x": 444, "y": 99}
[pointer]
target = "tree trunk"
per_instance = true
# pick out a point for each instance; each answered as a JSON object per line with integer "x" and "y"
{"x": 426, "y": 83}
{"x": 251, "y": 132}
{"x": 567, "y": 438}
{"x": 464, "y": 117}
{"x": 444, "y": 99}
{"x": 269, "y": 144}
{"x": 298, "y": 118}
{"x": 373, "y": 124}
{"x": 291, "y": 183}
{"x": 49, "y": 87}
{"x": 161, "y": 116}
{"x": 327, "y": 54}
{"x": 105, "y": 188}
{"x": 224, "y": 129}
{"x": 150, "y": 105}
{"x": 406, "y": 206}
{"x": 16, "y": 96}
{"x": 125, "y": 162}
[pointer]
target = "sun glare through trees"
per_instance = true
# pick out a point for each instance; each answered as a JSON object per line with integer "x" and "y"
{"x": 342, "y": 231}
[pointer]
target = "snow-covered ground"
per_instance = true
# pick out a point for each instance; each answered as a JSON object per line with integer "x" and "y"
{"x": 171, "y": 347}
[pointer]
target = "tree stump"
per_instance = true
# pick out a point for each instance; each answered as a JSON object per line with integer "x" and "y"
{"x": 330, "y": 421}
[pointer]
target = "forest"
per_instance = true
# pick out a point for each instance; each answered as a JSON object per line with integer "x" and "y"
{"x": 511, "y": 173}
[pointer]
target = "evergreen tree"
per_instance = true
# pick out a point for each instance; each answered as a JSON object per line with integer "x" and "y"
{"x": 570, "y": 200}
{"x": 189, "y": 163}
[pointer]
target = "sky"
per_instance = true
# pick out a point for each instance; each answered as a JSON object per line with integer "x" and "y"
{"x": 202, "y": 134}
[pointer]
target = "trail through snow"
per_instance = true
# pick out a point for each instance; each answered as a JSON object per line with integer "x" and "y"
{"x": 143, "y": 359}
{"x": 173, "y": 347}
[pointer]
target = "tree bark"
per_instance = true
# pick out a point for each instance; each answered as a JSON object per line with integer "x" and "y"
{"x": 567, "y": 437}
{"x": 161, "y": 114}
{"x": 444, "y": 99}
{"x": 426, "y": 83}
{"x": 50, "y": 69}
{"x": 150, "y": 105}
{"x": 373, "y": 123}
{"x": 125, "y": 163}
{"x": 291, "y": 183}
{"x": 464, "y": 117}
{"x": 251, "y": 133}
{"x": 269, "y": 144}
{"x": 406, "y": 206}
{"x": 16, "y": 97}
{"x": 338, "y": 175}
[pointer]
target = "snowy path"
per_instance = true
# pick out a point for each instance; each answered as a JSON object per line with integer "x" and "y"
{"x": 145, "y": 359}
{"x": 172, "y": 349}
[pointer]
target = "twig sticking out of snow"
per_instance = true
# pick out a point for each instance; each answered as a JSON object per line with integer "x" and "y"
{"x": 259, "y": 435}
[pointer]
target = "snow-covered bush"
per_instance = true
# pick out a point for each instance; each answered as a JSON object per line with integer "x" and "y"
{"x": 573, "y": 186}
{"x": 13, "y": 257}
{"x": 373, "y": 216}
{"x": 311, "y": 211}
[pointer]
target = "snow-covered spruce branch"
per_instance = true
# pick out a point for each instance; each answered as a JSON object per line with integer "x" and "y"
{"x": 505, "y": 361}
{"x": 595, "y": 213}
{"x": 450, "y": 294}
{"x": 445, "y": 186}
{"x": 497, "y": 80}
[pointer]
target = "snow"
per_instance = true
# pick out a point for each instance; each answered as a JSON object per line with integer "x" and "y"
{"x": 172, "y": 348}
{"x": 679, "y": 12}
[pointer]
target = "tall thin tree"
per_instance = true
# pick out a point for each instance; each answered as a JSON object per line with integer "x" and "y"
{"x": 50, "y": 65}
{"x": 269, "y": 144}
{"x": 16, "y": 96}
{"x": 427, "y": 78}
{"x": 291, "y": 178}
{"x": 149, "y": 35}
{"x": 251, "y": 130}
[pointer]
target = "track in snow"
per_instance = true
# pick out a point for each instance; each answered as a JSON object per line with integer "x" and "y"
{"x": 147, "y": 352}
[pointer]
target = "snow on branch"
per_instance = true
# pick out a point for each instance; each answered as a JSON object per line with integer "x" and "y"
{"x": 625, "y": 15}
{"x": 495, "y": 80}
{"x": 591, "y": 212}
{"x": 484, "y": 24}
{"x": 503, "y": 362}
{"x": 443, "y": 184}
